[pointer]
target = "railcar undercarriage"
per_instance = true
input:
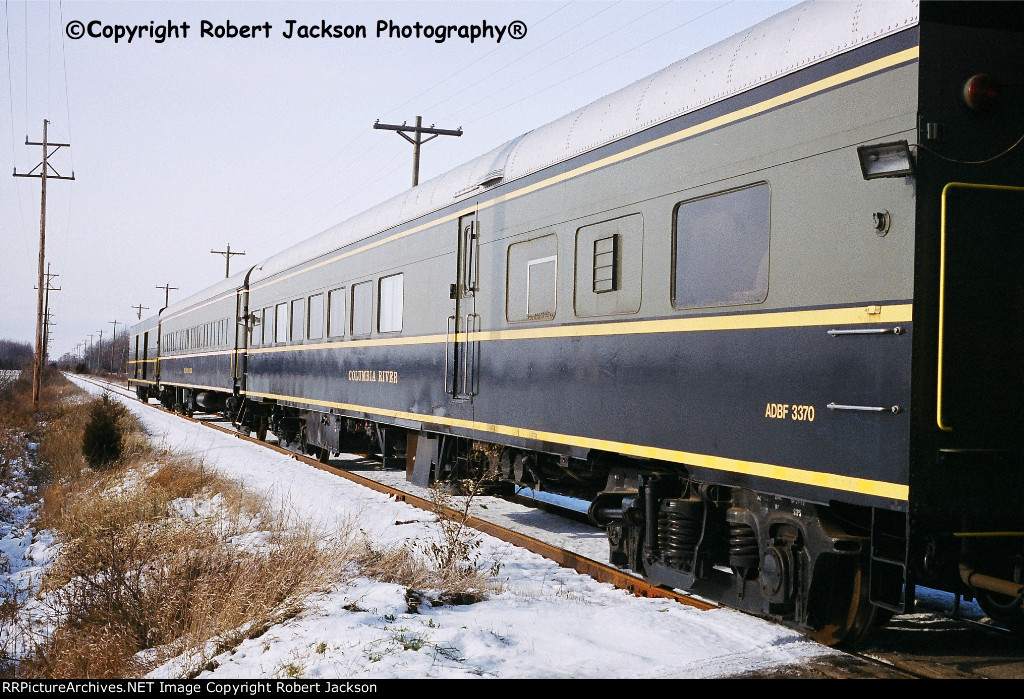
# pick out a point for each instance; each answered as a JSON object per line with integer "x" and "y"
{"x": 831, "y": 571}
{"x": 786, "y": 560}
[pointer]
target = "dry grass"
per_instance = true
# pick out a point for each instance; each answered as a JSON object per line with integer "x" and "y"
{"x": 21, "y": 423}
{"x": 444, "y": 568}
{"x": 168, "y": 556}
{"x": 159, "y": 554}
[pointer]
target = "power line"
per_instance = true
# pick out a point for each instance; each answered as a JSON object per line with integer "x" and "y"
{"x": 354, "y": 161}
{"x": 528, "y": 53}
{"x": 598, "y": 65}
{"x": 67, "y": 93}
{"x": 10, "y": 92}
{"x": 504, "y": 67}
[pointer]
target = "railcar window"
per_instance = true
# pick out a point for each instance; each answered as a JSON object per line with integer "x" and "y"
{"x": 281, "y": 323}
{"x": 267, "y": 334}
{"x": 540, "y": 287}
{"x": 531, "y": 282}
{"x": 336, "y": 313}
{"x": 362, "y": 308}
{"x": 609, "y": 266}
{"x": 392, "y": 294}
{"x": 720, "y": 248}
{"x": 297, "y": 319}
{"x": 315, "y": 327}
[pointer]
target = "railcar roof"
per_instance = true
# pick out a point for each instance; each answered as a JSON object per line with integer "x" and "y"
{"x": 144, "y": 324}
{"x": 225, "y": 286}
{"x": 791, "y": 40}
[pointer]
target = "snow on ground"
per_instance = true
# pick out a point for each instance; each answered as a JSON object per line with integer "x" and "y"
{"x": 25, "y": 553}
{"x": 543, "y": 622}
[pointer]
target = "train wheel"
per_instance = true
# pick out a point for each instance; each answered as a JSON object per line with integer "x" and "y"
{"x": 843, "y": 613}
{"x": 1007, "y": 611}
{"x": 1004, "y": 609}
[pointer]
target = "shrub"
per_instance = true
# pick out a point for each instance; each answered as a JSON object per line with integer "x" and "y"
{"x": 103, "y": 441}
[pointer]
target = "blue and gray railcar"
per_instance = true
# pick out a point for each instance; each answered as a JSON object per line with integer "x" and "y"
{"x": 763, "y": 309}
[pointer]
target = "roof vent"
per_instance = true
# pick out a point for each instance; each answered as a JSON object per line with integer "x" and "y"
{"x": 491, "y": 178}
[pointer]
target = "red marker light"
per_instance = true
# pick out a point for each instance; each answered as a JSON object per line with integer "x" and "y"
{"x": 981, "y": 92}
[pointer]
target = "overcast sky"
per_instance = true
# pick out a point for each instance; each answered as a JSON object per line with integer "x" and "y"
{"x": 194, "y": 143}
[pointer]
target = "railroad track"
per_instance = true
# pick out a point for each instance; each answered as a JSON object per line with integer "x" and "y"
{"x": 929, "y": 644}
{"x": 561, "y": 556}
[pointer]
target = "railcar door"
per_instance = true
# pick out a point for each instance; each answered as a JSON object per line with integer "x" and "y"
{"x": 240, "y": 339}
{"x": 145, "y": 355}
{"x": 981, "y": 321}
{"x": 462, "y": 352}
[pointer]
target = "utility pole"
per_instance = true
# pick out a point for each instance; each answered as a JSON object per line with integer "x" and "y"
{"x": 99, "y": 348}
{"x": 140, "y": 308}
{"x": 88, "y": 354}
{"x": 417, "y": 140}
{"x": 227, "y": 259}
{"x": 167, "y": 294}
{"x": 46, "y": 340}
{"x": 44, "y": 169}
{"x": 113, "y": 342}
{"x": 46, "y": 311}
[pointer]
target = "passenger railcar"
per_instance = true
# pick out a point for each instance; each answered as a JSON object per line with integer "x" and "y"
{"x": 198, "y": 341}
{"x": 143, "y": 351}
{"x": 764, "y": 309}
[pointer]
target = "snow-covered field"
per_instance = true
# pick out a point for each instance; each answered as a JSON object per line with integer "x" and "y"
{"x": 543, "y": 622}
